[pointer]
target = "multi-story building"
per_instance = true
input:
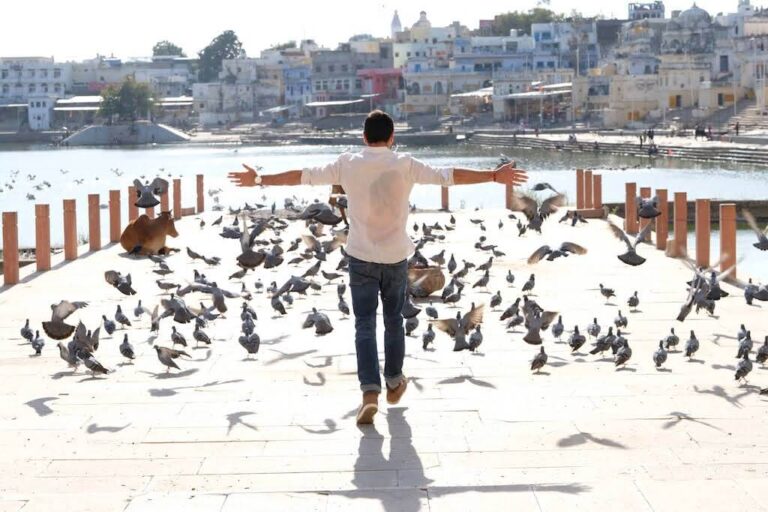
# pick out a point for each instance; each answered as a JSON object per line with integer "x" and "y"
{"x": 167, "y": 76}
{"x": 423, "y": 40}
{"x": 645, "y": 11}
{"x": 25, "y": 77}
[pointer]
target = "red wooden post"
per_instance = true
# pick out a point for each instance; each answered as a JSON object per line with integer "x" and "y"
{"x": 150, "y": 212}
{"x": 681, "y": 224}
{"x": 94, "y": 222}
{"x": 444, "y": 199}
{"x": 114, "y": 216}
{"x": 645, "y": 193}
{"x": 10, "y": 248}
{"x": 597, "y": 194}
{"x": 662, "y": 221}
{"x": 164, "y": 201}
{"x": 177, "y": 198}
{"x": 579, "y": 189}
{"x": 703, "y": 229}
{"x": 630, "y": 208}
{"x": 509, "y": 191}
{"x": 728, "y": 238}
{"x": 588, "y": 189}
{"x": 133, "y": 210}
{"x": 70, "y": 229}
{"x": 43, "y": 237}
{"x": 200, "y": 194}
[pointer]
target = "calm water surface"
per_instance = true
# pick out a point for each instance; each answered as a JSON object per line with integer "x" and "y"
{"x": 94, "y": 165}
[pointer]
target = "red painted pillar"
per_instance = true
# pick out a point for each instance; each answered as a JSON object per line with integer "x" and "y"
{"x": 444, "y": 199}
{"x": 597, "y": 194}
{"x": 630, "y": 208}
{"x": 150, "y": 212}
{"x": 70, "y": 229}
{"x": 662, "y": 221}
{"x": 588, "y": 189}
{"x": 200, "y": 194}
{"x": 703, "y": 232}
{"x": 645, "y": 193}
{"x": 43, "y": 237}
{"x": 94, "y": 222}
{"x": 133, "y": 210}
{"x": 114, "y": 216}
{"x": 177, "y": 198}
{"x": 10, "y": 248}
{"x": 728, "y": 238}
{"x": 579, "y": 189}
{"x": 681, "y": 224}
{"x": 509, "y": 191}
{"x": 164, "y": 201}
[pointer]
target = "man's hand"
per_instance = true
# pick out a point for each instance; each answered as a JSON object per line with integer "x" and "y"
{"x": 508, "y": 175}
{"x": 247, "y": 178}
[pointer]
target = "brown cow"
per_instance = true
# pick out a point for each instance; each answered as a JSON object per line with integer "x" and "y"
{"x": 147, "y": 236}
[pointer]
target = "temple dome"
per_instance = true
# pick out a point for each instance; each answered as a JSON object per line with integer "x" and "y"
{"x": 694, "y": 16}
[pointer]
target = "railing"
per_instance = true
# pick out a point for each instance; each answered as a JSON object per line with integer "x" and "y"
{"x": 43, "y": 226}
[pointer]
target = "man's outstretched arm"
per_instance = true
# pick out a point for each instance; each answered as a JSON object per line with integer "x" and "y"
{"x": 250, "y": 178}
{"x": 506, "y": 174}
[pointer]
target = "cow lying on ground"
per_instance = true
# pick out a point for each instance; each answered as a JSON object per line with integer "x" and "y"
{"x": 147, "y": 236}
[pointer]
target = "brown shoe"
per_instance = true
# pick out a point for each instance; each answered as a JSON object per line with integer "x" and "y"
{"x": 369, "y": 408}
{"x": 394, "y": 395}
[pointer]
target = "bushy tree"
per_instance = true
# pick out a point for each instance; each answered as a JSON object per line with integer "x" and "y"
{"x": 521, "y": 21}
{"x": 224, "y": 46}
{"x": 166, "y": 47}
{"x": 126, "y": 102}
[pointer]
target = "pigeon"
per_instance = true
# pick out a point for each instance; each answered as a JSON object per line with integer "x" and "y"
{"x": 341, "y": 289}
{"x": 762, "y": 239}
{"x": 536, "y": 323}
{"x": 594, "y": 328}
{"x": 745, "y": 345}
{"x": 607, "y": 292}
{"x": 483, "y": 281}
{"x": 166, "y": 285}
{"x": 126, "y": 349}
{"x": 630, "y": 257}
{"x": 109, "y": 325}
{"x": 430, "y": 311}
{"x": 743, "y": 368}
{"x": 248, "y": 326}
{"x": 428, "y": 337}
{"x": 459, "y": 327}
{"x": 623, "y": 354}
{"x": 411, "y": 324}
{"x": 510, "y": 278}
{"x": 511, "y": 311}
{"x": 37, "y": 343}
{"x": 56, "y": 328}
{"x": 576, "y": 340}
{"x": 277, "y": 305}
{"x": 123, "y": 284}
{"x": 26, "y": 332}
{"x": 218, "y": 295}
{"x": 69, "y": 356}
{"x": 496, "y": 300}
{"x": 94, "y": 366}
{"x": 121, "y": 318}
{"x": 409, "y": 309}
{"x": 330, "y": 276}
{"x": 660, "y": 356}
{"x": 250, "y": 343}
{"x": 439, "y": 258}
{"x": 343, "y": 306}
{"x": 529, "y": 284}
{"x": 167, "y": 355}
{"x": 648, "y": 208}
{"x": 550, "y": 254}
{"x": 691, "y": 346}
{"x": 200, "y": 336}
{"x": 633, "y": 301}
{"x": 539, "y": 361}
{"x": 762, "y": 352}
{"x": 319, "y": 321}
{"x": 312, "y": 271}
{"x": 620, "y": 320}
{"x": 177, "y": 338}
{"x": 742, "y": 333}
{"x": 139, "y": 310}
{"x": 145, "y": 194}
{"x": 485, "y": 267}
{"x": 604, "y": 342}
{"x": 475, "y": 339}
{"x": 176, "y": 308}
{"x": 534, "y": 211}
{"x": 672, "y": 340}
{"x": 452, "y": 264}
{"x": 558, "y": 328}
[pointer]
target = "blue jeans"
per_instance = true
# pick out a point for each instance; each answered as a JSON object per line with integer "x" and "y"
{"x": 366, "y": 281}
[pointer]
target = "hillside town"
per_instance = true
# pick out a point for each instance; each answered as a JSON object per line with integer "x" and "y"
{"x": 653, "y": 69}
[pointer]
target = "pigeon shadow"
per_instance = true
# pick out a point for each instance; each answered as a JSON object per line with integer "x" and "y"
{"x": 467, "y": 378}
{"x": 320, "y": 380}
{"x": 40, "y": 407}
{"x": 325, "y": 364}
{"x": 177, "y": 375}
{"x": 59, "y": 375}
{"x": 664, "y": 370}
{"x": 720, "y": 392}
{"x": 236, "y": 418}
{"x": 162, "y": 393}
{"x": 546, "y": 374}
{"x": 695, "y": 361}
{"x": 582, "y": 438}
{"x": 728, "y": 367}
{"x": 678, "y": 417}
{"x": 94, "y": 428}
{"x": 287, "y": 356}
{"x": 330, "y": 428}
{"x": 626, "y": 369}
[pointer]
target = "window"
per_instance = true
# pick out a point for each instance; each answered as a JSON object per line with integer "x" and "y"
{"x": 56, "y": 87}
{"x": 4, "y": 73}
{"x": 346, "y": 84}
{"x": 32, "y": 88}
{"x": 45, "y": 87}
{"x": 6, "y": 89}
{"x": 397, "y": 54}
{"x": 318, "y": 85}
{"x": 57, "y": 73}
{"x": 31, "y": 73}
{"x": 723, "y": 63}
{"x": 418, "y": 54}
{"x": 358, "y": 84}
{"x": 202, "y": 106}
{"x": 408, "y": 54}
{"x": 331, "y": 68}
{"x": 344, "y": 68}
{"x": 434, "y": 40}
{"x": 318, "y": 69}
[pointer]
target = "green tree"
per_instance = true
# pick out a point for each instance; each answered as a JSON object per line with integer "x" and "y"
{"x": 224, "y": 46}
{"x": 126, "y": 102}
{"x": 284, "y": 46}
{"x": 167, "y": 48}
{"x": 521, "y": 21}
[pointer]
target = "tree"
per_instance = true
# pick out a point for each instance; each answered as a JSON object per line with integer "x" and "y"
{"x": 167, "y": 48}
{"x": 284, "y": 46}
{"x": 127, "y": 102}
{"x": 224, "y": 46}
{"x": 521, "y": 21}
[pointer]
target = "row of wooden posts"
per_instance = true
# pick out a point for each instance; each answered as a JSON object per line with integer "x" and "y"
{"x": 589, "y": 199}
{"x": 43, "y": 226}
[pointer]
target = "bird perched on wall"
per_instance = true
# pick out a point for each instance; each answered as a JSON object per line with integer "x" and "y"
{"x": 146, "y": 193}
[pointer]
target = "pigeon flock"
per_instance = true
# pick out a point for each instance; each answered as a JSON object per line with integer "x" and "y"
{"x": 241, "y": 289}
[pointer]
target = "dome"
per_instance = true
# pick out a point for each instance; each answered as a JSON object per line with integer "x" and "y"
{"x": 423, "y": 21}
{"x": 694, "y": 16}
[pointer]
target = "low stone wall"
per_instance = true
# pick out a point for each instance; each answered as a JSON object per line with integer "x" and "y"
{"x": 125, "y": 134}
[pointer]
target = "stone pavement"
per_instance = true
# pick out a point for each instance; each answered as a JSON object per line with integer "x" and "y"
{"x": 474, "y": 432}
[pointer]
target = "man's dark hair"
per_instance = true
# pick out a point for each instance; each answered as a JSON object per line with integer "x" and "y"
{"x": 378, "y": 127}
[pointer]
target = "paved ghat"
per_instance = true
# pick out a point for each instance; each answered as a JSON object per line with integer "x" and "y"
{"x": 475, "y": 431}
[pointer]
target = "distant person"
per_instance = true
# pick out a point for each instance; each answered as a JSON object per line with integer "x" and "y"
{"x": 641, "y": 140}
{"x": 737, "y": 128}
{"x": 650, "y": 135}
{"x": 378, "y": 183}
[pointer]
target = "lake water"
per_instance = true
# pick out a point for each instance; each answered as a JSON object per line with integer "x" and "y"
{"x": 94, "y": 166}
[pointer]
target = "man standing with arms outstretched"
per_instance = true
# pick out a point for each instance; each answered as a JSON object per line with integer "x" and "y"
{"x": 378, "y": 183}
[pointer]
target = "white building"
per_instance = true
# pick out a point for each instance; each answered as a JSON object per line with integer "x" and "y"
{"x": 423, "y": 40}
{"x": 24, "y": 77}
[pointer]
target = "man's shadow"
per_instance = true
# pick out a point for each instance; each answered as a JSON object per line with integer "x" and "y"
{"x": 370, "y": 455}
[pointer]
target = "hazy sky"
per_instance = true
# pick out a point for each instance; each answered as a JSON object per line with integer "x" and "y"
{"x": 77, "y": 29}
